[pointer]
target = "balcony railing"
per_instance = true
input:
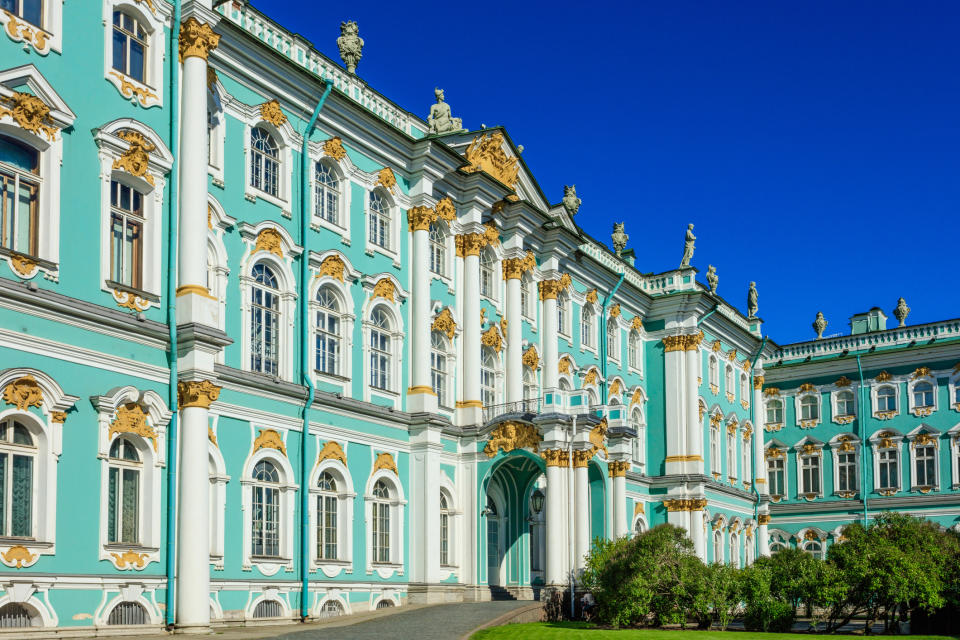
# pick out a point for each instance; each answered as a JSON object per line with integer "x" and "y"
{"x": 527, "y": 405}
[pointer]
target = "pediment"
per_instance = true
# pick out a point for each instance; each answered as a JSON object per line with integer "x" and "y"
{"x": 28, "y": 79}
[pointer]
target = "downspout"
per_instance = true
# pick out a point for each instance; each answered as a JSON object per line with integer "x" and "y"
{"x": 756, "y": 434}
{"x": 171, "y": 532}
{"x": 603, "y": 342}
{"x": 861, "y": 421}
{"x": 708, "y": 314}
{"x": 305, "y": 356}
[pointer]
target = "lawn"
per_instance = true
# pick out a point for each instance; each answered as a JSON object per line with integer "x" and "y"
{"x": 583, "y": 631}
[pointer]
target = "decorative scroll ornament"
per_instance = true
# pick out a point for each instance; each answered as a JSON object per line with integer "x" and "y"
{"x": 136, "y": 159}
{"x": 807, "y": 387}
{"x": 384, "y": 289}
{"x": 921, "y": 372}
{"x": 845, "y": 444}
{"x": 469, "y": 244}
{"x": 618, "y": 468}
{"x": 445, "y": 210}
{"x": 514, "y": 268}
{"x": 758, "y": 382}
{"x": 385, "y": 461}
{"x": 386, "y": 179}
{"x": 491, "y": 235}
{"x": 674, "y": 343}
{"x": 924, "y": 439}
{"x": 332, "y": 266}
{"x": 196, "y": 394}
{"x": 636, "y": 323}
{"x": 717, "y": 347}
{"x": 716, "y": 419}
{"x": 592, "y": 376}
{"x": 732, "y": 355}
{"x": 270, "y": 240}
{"x": 129, "y": 89}
{"x": 444, "y": 323}
{"x": 701, "y": 408}
{"x": 886, "y": 440}
{"x": 550, "y": 289}
{"x": 598, "y": 437}
{"x": 592, "y": 296}
{"x": 773, "y": 454}
{"x": 332, "y": 451}
{"x": 129, "y": 300}
{"x": 810, "y": 449}
{"x": 130, "y": 418}
{"x": 197, "y": 39}
{"x": 556, "y": 457}
{"x": 129, "y": 560}
{"x": 884, "y": 376}
{"x": 565, "y": 365}
{"x": 333, "y": 148}
{"x": 23, "y": 392}
{"x": 29, "y": 112}
{"x": 531, "y": 359}
{"x": 22, "y": 265}
{"x": 615, "y": 311}
{"x": 58, "y": 416}
{"x": 269, "y": 439}
{"x": 19, "y": 30}
{"x": 616, "y": 388}
{"x": 18, "y": 556}
{"x": 843, "y": 381}
{"x": 511, "y": 435}
{"x": 485, "y": 153}
{"x": 685, "y": 504}
{"x": 771, "y": 391}
{"x": 272, "y": 113}
{"x": 492, "y": 338}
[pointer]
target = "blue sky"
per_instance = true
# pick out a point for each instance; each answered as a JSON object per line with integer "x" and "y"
{"x": 815, "y": 145}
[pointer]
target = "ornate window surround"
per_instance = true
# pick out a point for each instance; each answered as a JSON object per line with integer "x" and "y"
{"x": 638, "y": 334}
{"x": 798, "y": 398}
{"x": 288, "y": 489}
{"x": 286, "y": 139}
{"x": 454, "y": 533}
{"x": 48, "y": 38}
{"x": 565, "y": 300}
{"x": 893, "y": 383}
{"x": 445, "y": 405}
{"x": 143, "y": 594}
{"x": 343, "y": 169}
{"x": 218, "y": 134}
{"x": 778, "y": 450}
{"x": 219, "y": 223}
{"x": 953, "y": 440}
{"x": 924, "y": 431}
{"x": 397, "y": 525}
{"x": 334, "y": 595}
{"x": 342, "y": 293}
{"x": 345, "y": 519}
{"x": 397, "y": 215}
{"x": 156, "y": 18}
{"x": 397, "y": 337}
{"x": 953, "y": 383}
{"x": 800, "y": 454}
{"x": 153, "y": 454}
{"x": 593, "y": 309}
{"x": 449, "y": 255}
{"x": 218, "y": 482}
{"x": 837, "y": 445}
{"x": 835, "y": 416}
{"x": 876, "y": 440}
{"x": 913, "y": 381}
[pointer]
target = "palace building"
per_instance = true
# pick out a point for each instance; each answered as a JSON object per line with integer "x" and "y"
{"x": 272, "y": 347}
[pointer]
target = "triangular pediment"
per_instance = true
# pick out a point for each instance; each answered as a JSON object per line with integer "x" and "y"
{"x": 28, "y": 79}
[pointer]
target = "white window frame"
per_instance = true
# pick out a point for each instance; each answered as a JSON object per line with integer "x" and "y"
{"x": 718, "y": 545}
{"x": 634, "y": 338}
{"x": 218, "y": 270}
{"x": 730, "y": 383}
{"x": 734, "y": 549}
{"x": 588, "y": 327}
{"x": 285, "y": 139}
{"x": 837, "y": 444}
{"x": 614, "y": 340}
{"x": 876, "y": 440}
{"x": 774, "y": 426}
{"x": 154, "y": 19}
{"x": 639, "y": 422}
{"x": 716, "y": 450}
{"x": 218, "y": 499}
{"x": 51, "y": 38}
{"x": 396, "y": 334}
{"x": 807, "y": 423}
{"x": 730, "y": 445}
{"x": 875, "y": 402}
{"x": 497, "y": 371}
{"x": 953, "y": 385}
{"x": 953, "y": 446}
{"x": 528, "y": 298}
{"x": 454, "y": 530}
{"x": 288, "y": 490}
{"x": 843, "y": 418}
{"x": 332, "y": 567}
{"x": 746, "y": 440}
{"x": 344, "y": 186}
{"x": 924, "y": 410}
{"x": 446, "y": 399}
{"x": 492, "y": 294}
{"x": 343, "y": 319}
{"x": 786, "y": 476}
{"x": 802, "y": 489}
{"x": 713, "y": 374}
{"x": 392, "y": 215}
{"x": 934, "y": 442}
{"x": 398, "y": 505}
{"x": 564, "y": 305}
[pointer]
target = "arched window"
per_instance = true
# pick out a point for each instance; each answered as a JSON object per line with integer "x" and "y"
{"x": 438, "y": 367}
{"x": 923, "y": 394}
{"x": 488, "y": 377}
{"x": 530, "y": 390}
{"x": 379, "y": 220}
{"x": 735, "y": 550}
{"x": 328, "y": 332}
{"x": 845, "y": 404}
{"x": 268, "y": 609}
{"x": 20, "y": 189}
{"x": 123, "y": 499}
{"x": 264, "y": 162}
{"x": 714, "y": 372}
{"x": 636, "y": 421}
{"x": 774, "y": 411}
{"x": 728, "y": 380}
{"x": 265, "y": 520}
{"x": 744, "y": 388}
{"x": 14, "y": 615}
{"x": 444, "y": 530}
{"x": 327, "y": 522}
{"x": 639, "y": 527}
{"x": 380, "y": 350}
{"x": 385, "y": 604}
{"x": 331, "y": 609}
{"x": 381, "y": 523}
{"x": 634, "y": 349}
{"x": 562, "y": 301}
{"x": 814, "y": 548}
{"x": 28, "y": 10}
{"x": 776, "y": 546}
{"x": 486, "y": 274}
{"x": 326, "y": 194}
{"x": 748, "y": 550}
{"x": 127, "y": 613}
{"x": 18, "y": 454}
{"x": 718, "y": 546}
{"x": 129, "y": 46}
{"x": 526, "y": 300}
{"x": 264, "y": 321}
{"x": 886, "y": 399}
{"x": 809, "y": 408}
{"x": 613, "y": 339}
{"x": 586, "y": 327}
{"x": 126, "y": 235}
{"x": 438, "y": 250}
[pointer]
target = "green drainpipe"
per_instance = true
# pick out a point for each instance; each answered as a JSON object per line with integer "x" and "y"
{"x": 305, "y": 355}
{"x": 174, "y": 106}
{"x": 862, "y": 423}
{"x": 707, "y": 315}
{"x": 757, "y": 434}
{"x": 603, "y": 341}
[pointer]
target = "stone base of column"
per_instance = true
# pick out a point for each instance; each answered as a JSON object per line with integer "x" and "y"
{"x": 421, "y": 400}
{"x": 468, "y": 413}
{"x": 421, "y": 593}
{"x": 195, "y": 305}
{"x": 193, "y": 629}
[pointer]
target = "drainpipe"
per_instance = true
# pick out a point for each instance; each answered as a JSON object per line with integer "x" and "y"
{"x": 710, "y": 313}
{"x": 305, "y": 356}
{"x": 171, "y": 533}
{"x": 757, "y": 434}
{"x": 603, "y": 342}
{"x": 862, "y": 422}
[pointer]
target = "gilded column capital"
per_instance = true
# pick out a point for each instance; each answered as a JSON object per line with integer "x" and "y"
{"x": 550, "y": 289}
{"x": 514, "y": 268}
{"x": 618, "y": 468}
{"x": 196, "y": 393}
{"x": 556, "y": 457}
{"x": 685, "y": 504}
{"x": 757, "y": 382}
{"x": 58, "y": 416}
{"x": 674, "y": 343}
{"x": 692, "y": 341}
{"x": 197, "y": 39}
{"x": 581, "y": 458}
{"x": 763, "y": 518}
{"x": 470, "y": 244}
{"x": 420, "y": 218}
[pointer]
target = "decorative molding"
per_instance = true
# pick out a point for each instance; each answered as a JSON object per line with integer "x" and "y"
{"x": 556, "y": 457}
{"x": 333, "y": 148}
{"x": 385, "y": 461}
{"x": 271, "y": 112}
{"x": 384, "y": 289}
{"x": 332, "y": 451}
{"x": 806, "y": 387}
{"x": 636, "y": 323}
{"x": 618, "y": 468}
{"x": 691, "y": 341}
{"x": 58, "y": 416}
{"x": 130, "y": 418}
{"x": 269, "y": 239}
{"x": 130, "y": 89}
{"x": 550, "y": 289}
{"x": 843, "y": 381}
{"x": 592, "y": 376}
{"x": 685, "y": 504}
{"x": 531, "y": 358}
{"x": 269, "y": 439}
{"x": 615, "y": 310}
{"x": 884, "y": 376}
{"x": 491, "y": 235}
{"x": 332, "y": 266}
{"x": 616, "y": 388}
{"x": 592, "y": 296}
{"x": 921, "y": 372}
{"x": 420, "y": 218}
{"x": 758, "y": 382}
{"x": 197, "y": 39}
{"x": 581, "y": 458}
{"x": 763, "y": 519}
{"x": 771, "y": 392}
{"x": 445, "y": 210}
{"x": 492, "y": 338}
{"x": 23, "y": 266}
{"x": 18, "y": 556}
{"x": 485, "y": 153}
{"x": 514, "y": 268}
{"x": 23, "y": 392}
{"x": 673, "y": 343}
{"x": 212, "y": 437}
{"x": 22, "y": 31}
{"x": 692, "y": 458}
{"x": 196, "y": 393}
{"x": 470, "y": 244}
{"x": 386, "y": 179}
{"x": 444, "y": 323}
{"x": 29, "y": 112}
{"x": 130, "y": 300}
{"x": 565, "y": 365}
{"x": 129, "y": 560}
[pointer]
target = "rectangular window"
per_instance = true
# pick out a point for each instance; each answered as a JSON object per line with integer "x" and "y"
{"x": 381, "y": 532}
{"x": 444, "y": 539}
{"x": 732, "y": 455}
{"x": 775, "y": 476}
{"x": 889, "y": 475}
{"x": 379, "y": 360}
{"x": 810, "y": 468}
{"x": 926, "y": 466}
{"x": 266, "y": 521}
{"x": 846, "y": 472}
{"x": 19, "y": 196}
{"x": 126, "y": 231}
{"x": 327, "y": 527}
{"x": 438, "y": 376}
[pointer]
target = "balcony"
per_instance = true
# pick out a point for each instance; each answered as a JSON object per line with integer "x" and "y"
{"x": 568, "y": 403}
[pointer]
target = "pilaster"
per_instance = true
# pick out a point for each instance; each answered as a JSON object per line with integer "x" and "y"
{"x": 420, "y": 394}
{"x": 513, "y": 270}
{"x": 425, "y": 451}
{"x": 470, "y": 404}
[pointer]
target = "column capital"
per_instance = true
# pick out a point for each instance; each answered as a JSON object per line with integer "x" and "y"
{"x": 514, "y": 268}
{"x": 197, "y": 39}
{"x": 758, "y": 382}
{"x": 581, "y": 458}
{"x": 470, "y": 244}
{"x": 196, "y": 393}
{"x": 420, "y": 218}
{"x": 763, "y": 518}
{"x": 692, "y": 341}
{"x": 618, "y": 468}
{"x": 550, "y": 289}
{"x": 685, "y": 504}
{"x": 556, "y": 457}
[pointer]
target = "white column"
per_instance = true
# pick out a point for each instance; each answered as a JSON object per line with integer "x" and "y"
{"x": 675, "y": 390}
{"x": 557, "y": 459}
{"x": 193, "y": 533}
{"x": 694, "y": 447}
{"x": 425, "y": 451}
{"x": 514, "y": 338}
{"x": 697, "y": 534}
{"x": 581, "y": 509}
{"x": 759, "y": 455}
{"x": 470, "y": 404}
{"x": 617, "y": 470}
{"x": 420, "y": 395}
{"x": 548, "y": 321}
{"x": 764, "y": 537}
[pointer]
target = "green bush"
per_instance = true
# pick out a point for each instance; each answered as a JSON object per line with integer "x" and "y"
{"x": 768, "y": 615}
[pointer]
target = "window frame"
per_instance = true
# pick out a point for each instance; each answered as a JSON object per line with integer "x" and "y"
{"x": 49, "y": 36}
{"x": 875, "y": 400}
{"x": 345, "y": 498}
{"x": 147, "y": 92}
{"x": 32, "y": 452}
{"x": 779, "y": 467}
{"x": 283, "y": 136}
{"x": 635, "y": 352}
{"x": 803, "y": 490}
{"x": 286, "y": 492}
{"x": 923, "y": 410}
{"x": 396, "y": 505}
{"x": 18, "y": 176}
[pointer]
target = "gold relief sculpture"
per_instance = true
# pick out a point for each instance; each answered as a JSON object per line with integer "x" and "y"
{"x": 129, "y": 560}
{"x": 685, "y": 504}
{"x": 747, "y": 432}
{"x": 212, "y": 437}
{"x": 386, "y": 179}
{"x": 716, "y": 419}
{"x": 773, "y": 454}
{"x": 730, "y": 397}
{"x": 270, "y": 240}
{"x": 23, "y": 392}
{"x": 136, "y": 159}
{"x": 885, "y": 415}
{"x": 924, "y": 439}
{"x": 420, "y": 218}
{"x": 197, "y": 39}
{"x": 445, "y": 209}
{"x": 808, "y": 424}
{"x": 758, "y": 382}
{"x": 810, "y": 535}
{"x": 556, "y": 457}
{"x": 636, "y": 323}
{"x": 514, "y": 268}
{"x": 269, "y": 439}
{"x": 615, "y": 311}
{"x": 744, "y": 404}
{"x": 845, "y": 444}
{"x": 714, "y": 389}
{"x": 485, "y": 153}
{"x": 921, "y": 372}
{"x": 921, "y": 412}
{"x": 129, "y": 300}
{"x": 531, "y": 359}
{"x": 581, "y": 458}
{"x": 149, "y": 4}
{"x": 745, "y": 365}
{"x": 591, "y": 377}
{"x": 732, "y": 428}
{"x": 637, "y": 396}
{"x": 691, "y": 341}
{"x": 637, "y": 508}
{"x": 716, "y": 475}
{"x": 19, "y": 30}
{"x": 732, "y": 355}
{"x": 771, "y": 391}
{"x": 843, "y": 381}
{"x": 925, "y": 489}
{"x": 810, "y": 497}
{"x": 886, "y": 440}
{"x": 763, "y": 519}
{"x": 130, "y": 90}
{"x": 22, "y": 265}
{"x": 29, "y": 112}
{"x": 673, "y": 343}
{"x": 846, "y": 494}
{"x": 212, "y": 77}
{"x": 332, "y": 451}
{"x": 592, "y": 296}
{"x": 810, "y": 449}
{"x": 384, "y": 289}
{"x": 491, "y": 235}
{"x": 565, "y": 365}
{"x": 844, "y": 419}
{"x": 886, "y": 493}
{"x": 196, "y": 393}
{"x": 884, "y": 376}
{"x": 333, "y": 148}
{"x": 693, "y": 458}
{"x": 597, "y": 437}
{"x": 616, "y": 388}
{"x": 618, "y": 468}
{"x": 444, "y": 323}
{"x": 385, "y": 461}
{"x": 470, "y": 244}
{"x": 503, "y": 327}
{"x": 701, "y": 408}
{"x": 58, "y": 416}
{"x": 550, "y": 289}
{"x": 806, "y": 386}
{"x": 492, "y": 338}
{"x": 130, "y": 418}
{"x": 717, "y": 347}
{"x": 332, "y": 266}
{"x": 18, "y": 555}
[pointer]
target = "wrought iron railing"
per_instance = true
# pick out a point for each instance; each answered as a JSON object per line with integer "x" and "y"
{"x": 527, "y": 405}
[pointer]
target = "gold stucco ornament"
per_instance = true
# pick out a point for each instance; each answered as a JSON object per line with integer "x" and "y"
{"x": 130, "y": 418}
{"x": 20, "y": 30}
{"x": 18, "y": 556}
{"x": 197, "y": 39}
{"x": 269, "y": 439}
{"x": 384, "y": 289}
{"x": 492, "y": 338}
{"x": 511, "y": 435}
{"x": 30, "y": 113}
{"x": 129, "y": 560}
{"x": 23, "y": 392}
{"x": 385, "y": 461}
{"x": 618, "y": 468}
{"x": 332, "y": 451}
{"x": 270, "y": 240}
{"x": 271, "y": 112}
{"x": 386, "y": 179}
{"x": 196, "y": 393}
{"x": 445, "y": 209}
{"x": 485, "y": 153}
{"x": 531, "y": 358}
{"x": 136, "y": 159}
{"x": 130, "y": 89}
{"x": 333, "y": 148}
{"x": 444, "y": 323}
{"x": 332, "y": 266}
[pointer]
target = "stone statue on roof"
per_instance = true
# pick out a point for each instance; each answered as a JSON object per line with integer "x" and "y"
{"x": 440, "y": 118}
{"x": 619, "y": 237}
{"x": 752, "y": 301}
{"x": 712, "y": 278}
{"x": 350, "y": 44}
{"x": 570, "y": 200}
{"x": 688, "y": 248}
{"x": 901, "y": 312}
{"x": 819, "y": 324}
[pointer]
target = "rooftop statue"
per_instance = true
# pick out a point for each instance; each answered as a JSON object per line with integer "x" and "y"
{"x": 901, "y": 312}
{"x": 440, "y": 119}
{"x": 712, "y": 278}
{"x": 570, "y": 200}
{"x": 619, "y": 238}
{"x": 752, "y": 301}
{"x": 351, "y": 45}
{"x": 819, "y": 325}
{"x": 688, "y": 248}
